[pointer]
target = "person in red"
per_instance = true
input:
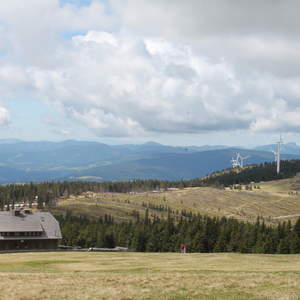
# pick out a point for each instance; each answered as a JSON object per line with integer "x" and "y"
{"x": 182, "y": 248}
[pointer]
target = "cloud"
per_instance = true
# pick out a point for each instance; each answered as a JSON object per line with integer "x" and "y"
{"x": 260, "y": 33}
{"x": 120, "y": 86}
{"x": 56, "y": 126}
{"x": 62, "y": 132}
{"x": 4, "y": 116}
{"x": 200, "y": 18}
{"x": 127, "y": 86}
{"x": 33, "y": 30}
{"x": 152, "y": 67}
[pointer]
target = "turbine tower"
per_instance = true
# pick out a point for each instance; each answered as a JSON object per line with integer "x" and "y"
{"x": 277, "y": 154}
{"x": 238, "y": 161}
{"x": 235, "y": 161}
{"x": 242, "y": 158}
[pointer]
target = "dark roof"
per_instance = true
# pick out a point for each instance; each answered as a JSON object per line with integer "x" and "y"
{"x": 42, "y": 222}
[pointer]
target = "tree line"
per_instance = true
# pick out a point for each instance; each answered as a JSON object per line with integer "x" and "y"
{"x": 198, "y": 233}
{"x": 49, "y": 192}
{"x": 257, "y": 173}
{"x": 46, "y": 194}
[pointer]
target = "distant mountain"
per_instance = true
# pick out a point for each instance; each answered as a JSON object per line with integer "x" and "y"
{"x": 9, "y": 141}
{"x": 49, "y": 155}
{"x": 289, "y": 148}
{"x": 12, "y": 175}
{"x": 22, "y": 161}
{"x": 43, "y": 155}
{"x": 176, "y": 166}
{"x": 153, "y": 147}
{"x": 207, "y": 148}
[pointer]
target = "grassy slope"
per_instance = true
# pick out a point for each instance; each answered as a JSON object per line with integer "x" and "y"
{"x": 273, "y": 199}
{"x": 32, "y": 276}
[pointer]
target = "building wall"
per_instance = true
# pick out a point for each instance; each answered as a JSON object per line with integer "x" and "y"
{"x": 28, "y": 244}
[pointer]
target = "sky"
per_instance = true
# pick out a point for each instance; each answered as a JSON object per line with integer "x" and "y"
{"x": 129, "y": 71}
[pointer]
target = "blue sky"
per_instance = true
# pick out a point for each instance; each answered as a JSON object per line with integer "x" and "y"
{"x": 78, "y": 3}
{"x": 130, "y": 71}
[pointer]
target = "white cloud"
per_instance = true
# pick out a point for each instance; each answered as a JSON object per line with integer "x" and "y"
{"x": 4, "y": 116}
{"x": 263, "y": 34}
{"x": 152, "y": 67}
{"x": 128, "y": 86}
{"x": 33, "y": 29}
{"x": 61, "y": 132}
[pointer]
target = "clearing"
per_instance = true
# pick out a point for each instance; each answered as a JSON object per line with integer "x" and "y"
{"x": 274, "y": 200}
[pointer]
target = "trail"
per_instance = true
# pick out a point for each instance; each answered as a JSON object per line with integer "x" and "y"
{"x": 287, "y": 216}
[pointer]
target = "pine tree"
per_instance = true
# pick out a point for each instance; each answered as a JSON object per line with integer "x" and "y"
{"x": 297, "y": 228}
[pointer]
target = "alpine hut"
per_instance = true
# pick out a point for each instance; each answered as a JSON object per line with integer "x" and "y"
{"x": 25, "y": 229}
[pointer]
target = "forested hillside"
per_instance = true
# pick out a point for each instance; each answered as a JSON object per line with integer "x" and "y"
{"x": 151, "y": 230}
{"x": 197, "y": 233}
{"x": 48, "y": 192}
{"x": 256, "y": 173}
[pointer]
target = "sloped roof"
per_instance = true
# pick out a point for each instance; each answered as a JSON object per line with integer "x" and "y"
{"x": 42, "y": 222}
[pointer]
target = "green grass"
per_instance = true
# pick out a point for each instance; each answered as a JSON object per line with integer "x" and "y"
{"x": 33, "y": 266}
{"x": 69, "y": 275}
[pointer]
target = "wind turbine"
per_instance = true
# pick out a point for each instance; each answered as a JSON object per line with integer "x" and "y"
{"x": 235, "y": 161}
{"x": 238, "y": 162}
{"x": 277, "y": 154}
{"x": 242, "y": 158}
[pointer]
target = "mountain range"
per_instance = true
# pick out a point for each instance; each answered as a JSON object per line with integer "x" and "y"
{"x": 23, "y": 161}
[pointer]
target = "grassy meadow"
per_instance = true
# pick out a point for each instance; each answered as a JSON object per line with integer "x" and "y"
{"x": 272, "y": 200}
{"x": 90, "y": 275}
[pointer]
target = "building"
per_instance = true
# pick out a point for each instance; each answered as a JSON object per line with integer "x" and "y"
{"x": 24, "y": 229}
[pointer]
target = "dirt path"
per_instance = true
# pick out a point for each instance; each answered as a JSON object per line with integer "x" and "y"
{"x": 287, "y": 216}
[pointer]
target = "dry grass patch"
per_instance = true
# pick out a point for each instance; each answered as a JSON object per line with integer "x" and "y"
{"x": 148, "y": 276}
{"x": 273, "y": 199}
